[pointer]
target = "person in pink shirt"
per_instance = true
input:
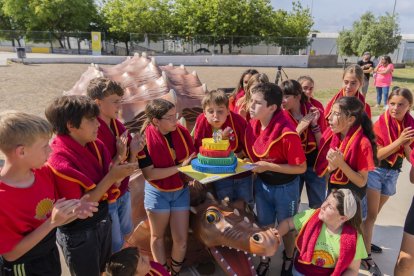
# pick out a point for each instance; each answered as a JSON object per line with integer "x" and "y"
{"x": 383, "y": 78}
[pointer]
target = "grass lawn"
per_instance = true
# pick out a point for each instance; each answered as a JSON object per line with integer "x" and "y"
{"x": 401, "y": 77}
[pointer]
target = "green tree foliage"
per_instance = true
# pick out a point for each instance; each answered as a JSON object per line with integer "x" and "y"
{"x": 8, "y": 28}
{"x": 55, "y": 16}
{"x": 379, "y": 35}
{"x": 237, "y": 22}
{"x": 290, "y": 30}
{"x": 136, "y": 16}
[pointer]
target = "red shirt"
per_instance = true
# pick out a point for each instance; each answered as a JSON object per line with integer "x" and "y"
{"x": 287, "y": 150}
{"x": 25, "y": 209}
{"x": 107, "y": 135}
{"x": 366, "y": 160}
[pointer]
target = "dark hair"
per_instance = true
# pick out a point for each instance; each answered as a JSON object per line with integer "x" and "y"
{"x": 240, "y": 83}
{"x": 352, "y": 106}
{"x": 123, "y": 263}
{"x": 217, "y": 97}
{"x": 301, "y": 79}
{"x": 100, "y": 88}
{"x": 356, "y": 220}
{"x": 155, "y": 110}
{"x": 70, "y": 109}
{"x": 292, "y": 87}
{"x": 406, "y": 93}
{"x": 387, "y": 59}
{"x": 272, "y": 93}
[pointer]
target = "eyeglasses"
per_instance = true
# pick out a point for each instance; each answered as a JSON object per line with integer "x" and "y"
{"x": 171, "y": 118}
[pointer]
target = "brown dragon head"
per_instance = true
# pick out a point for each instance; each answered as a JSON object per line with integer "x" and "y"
{"x": 229, "y": 232}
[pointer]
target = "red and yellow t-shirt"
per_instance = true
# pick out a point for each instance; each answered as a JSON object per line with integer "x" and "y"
{"x": 25, "y": 209}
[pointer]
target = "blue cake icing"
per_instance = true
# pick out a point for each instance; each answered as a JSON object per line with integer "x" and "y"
{"x": 196, "y": 165}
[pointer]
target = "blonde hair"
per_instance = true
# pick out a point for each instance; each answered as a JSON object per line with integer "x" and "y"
{"x": 217, "y": 97}
{"x": 254, "y": 80}
{"x": 357, "y": 71}
{"x": 18, "y": 128}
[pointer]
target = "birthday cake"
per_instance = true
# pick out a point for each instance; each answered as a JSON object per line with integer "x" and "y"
{"x": 215, "y": 156}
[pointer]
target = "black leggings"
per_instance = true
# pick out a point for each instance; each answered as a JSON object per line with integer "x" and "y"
{"x": 409, "y": 221}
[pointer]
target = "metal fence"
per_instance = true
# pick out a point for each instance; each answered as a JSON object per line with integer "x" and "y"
{"x": 210, "y": 44}
{"x": 55, "y": 42}
{"x": 163, "y": 44}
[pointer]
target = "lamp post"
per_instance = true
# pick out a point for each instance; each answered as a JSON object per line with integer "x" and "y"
{"x": 393, "y": 10}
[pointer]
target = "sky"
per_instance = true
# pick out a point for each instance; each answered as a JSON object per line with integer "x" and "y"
{"x": 333, "y": 15}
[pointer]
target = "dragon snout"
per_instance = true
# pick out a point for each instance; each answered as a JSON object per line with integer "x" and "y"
{"x": 258, "y": 238}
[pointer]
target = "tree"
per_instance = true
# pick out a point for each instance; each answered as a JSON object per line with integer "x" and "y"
{"x": 379, "y": 35}
{"x": 137, "y": 16}
{"x": 232, "y": 22}
{"x": 10, "y": 30}
{"x": 55, "y": 16}
{"x": 290, "y": 30}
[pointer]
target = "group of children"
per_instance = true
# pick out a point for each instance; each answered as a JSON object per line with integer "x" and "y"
{"x": 289, "y": 136}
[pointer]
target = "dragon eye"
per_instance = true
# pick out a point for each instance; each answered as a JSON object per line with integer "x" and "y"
{"x": 212, "y": 216}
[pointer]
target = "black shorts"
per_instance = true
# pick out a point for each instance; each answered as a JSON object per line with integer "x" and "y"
{"x": 87, "y": 251}
{"x": 48, "y": 264}
{"x": 409, "y": 221}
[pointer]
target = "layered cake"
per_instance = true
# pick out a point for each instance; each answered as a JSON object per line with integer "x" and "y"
{"x": 215, "y": 156}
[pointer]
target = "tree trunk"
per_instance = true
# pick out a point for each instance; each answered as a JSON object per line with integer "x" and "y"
{"x": 127, "y": 49}
{"x": 79, "y": 47}
{"x": 68, "y": 40}
{"x": 60, "y": 42}
{"x": 221, "y": 48}
{"x": 13, "y": 43}
{"x": 230, "y": 48}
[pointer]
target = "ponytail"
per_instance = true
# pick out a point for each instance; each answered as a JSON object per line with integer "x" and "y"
{"x": 367, "y": 128}
{"x": 352, "y": 106}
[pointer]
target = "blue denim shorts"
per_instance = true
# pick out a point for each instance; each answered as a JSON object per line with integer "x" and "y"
{"x": 316, "y": 187}
{"x": 162, "y": 201}
{"x": 383, "y": 180}
{"x": 364, "y": 208}
{"x": 120, "y": 212}
{"x": 276, "y": 202}
{"x": 234, "y": 188}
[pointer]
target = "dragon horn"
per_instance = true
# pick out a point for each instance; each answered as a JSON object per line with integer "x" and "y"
{"x": 246, "y": 219}
{"x": 193, "y": 210}
{"x": 210, "y": 196}
{"x": 236, "y": 212}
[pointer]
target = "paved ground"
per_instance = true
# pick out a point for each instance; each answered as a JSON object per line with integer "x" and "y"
{"x": 29, "y": 88}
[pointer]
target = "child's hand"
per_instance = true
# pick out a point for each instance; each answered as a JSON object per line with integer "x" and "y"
{"x": 137, "y": 144}
{"x": 316, "y": 115}
{"x": 121, "y": 146}
{"x": 187, "y": 161}
{"x": 119, "y": 171}
{"x": 304, "y": 123}
{"x": 335, "y": 158}
{"x": 86, "y": 208}
{"x": 228, "y": 134}
{"x": 63, "y": 210}
{"x": 406, "y": 136}
{"x": 260, "y": 166}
